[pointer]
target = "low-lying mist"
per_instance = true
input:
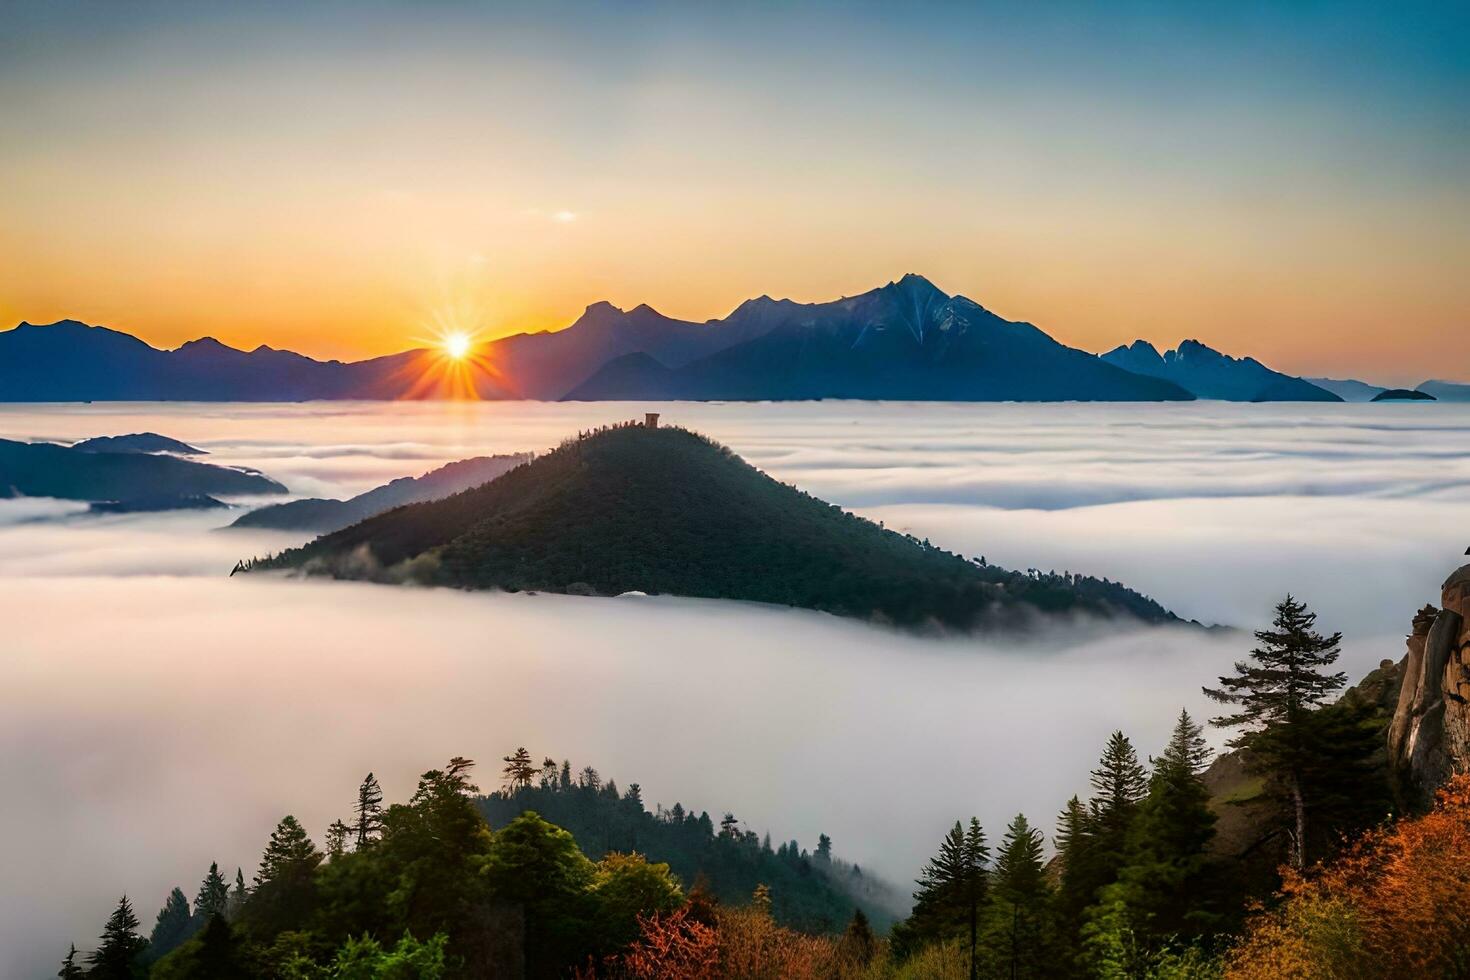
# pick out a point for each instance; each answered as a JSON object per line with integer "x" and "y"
{"x": 156, "y": 724}
{"x": 156, "y": 715}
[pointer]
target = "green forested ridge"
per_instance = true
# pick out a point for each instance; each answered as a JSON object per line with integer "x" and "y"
{"x": 669, "y": 511}
{"x": 810, "y": 890}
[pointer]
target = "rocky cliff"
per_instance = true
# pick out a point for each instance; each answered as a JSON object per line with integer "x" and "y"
{"x": 1429, "y": 737}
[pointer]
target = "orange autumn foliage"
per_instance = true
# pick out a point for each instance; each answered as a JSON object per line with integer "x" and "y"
{"x": 746, "y": 943}
{"x": 672, "y": 947}
{"x": 1392, "y": 905}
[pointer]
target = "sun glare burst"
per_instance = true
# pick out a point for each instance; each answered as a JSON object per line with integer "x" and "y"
{"x": 457, "y": 346}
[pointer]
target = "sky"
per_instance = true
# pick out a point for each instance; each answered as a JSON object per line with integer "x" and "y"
{"x": 1290, "y": 181}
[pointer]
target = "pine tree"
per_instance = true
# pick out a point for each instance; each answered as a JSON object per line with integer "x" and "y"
{"x": 519, "y": 771}
{"x": 289, "y": 854}
{"x": 824, "y": 848}
{"x": 285, "y": 883}
{"x": 1120, "y": 783}
{"x": 1020, "y": 898}
{"x": 336, "y": 839}
{"x": 951, "y": 893}
{"x": 1165, "y": 886}
{"x": 117, "y": 957}
{"x": 369, "y": 811}
{"x": 174, "y": 925}
{"x": 237, "y": 895}
{"x": 1277, "y": 691}
{"x": 214, "y": 894}
{"x": 69, "y": 968}
{"x": 1080, "y": 876}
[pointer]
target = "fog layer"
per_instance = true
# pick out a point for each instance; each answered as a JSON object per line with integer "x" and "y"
{"x": 156, "y": 715}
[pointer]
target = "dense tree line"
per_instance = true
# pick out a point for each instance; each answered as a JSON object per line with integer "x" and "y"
{"x": 670, "y": 511}
{"x": 561, "y": 873}
{"x": 1136, "y": 888}
{"x": 811, "y": 890}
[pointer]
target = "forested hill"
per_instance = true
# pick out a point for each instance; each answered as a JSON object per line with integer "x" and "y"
{"x": 666, "y": 510}
{"x": 810, "y": 890}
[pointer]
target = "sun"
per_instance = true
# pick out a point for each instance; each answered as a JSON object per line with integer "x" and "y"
{"x": 457, "y": 346}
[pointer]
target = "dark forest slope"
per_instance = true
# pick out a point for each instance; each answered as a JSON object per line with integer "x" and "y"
{"x": 669, "y": 511}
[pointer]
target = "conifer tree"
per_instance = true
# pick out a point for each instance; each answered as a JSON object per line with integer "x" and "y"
{"x": 336, "y": 839}
{"x": 214, "y": 894}
{"x": 285, "y": 885}
{"x": 369, "y": 811}
{"x": 173, "y": 925}
{"x": 951, "y": 893}
{"x": 1277, "y": 690}
{"x": 519, "y": 770}
{"x": 237, "y": 895}
{"x": 1080, "y": 876}
{"x": 1165, "y": 884}
{"x": 288, "y": 856}
{"x": 117, "y": 956}
{"x": 69, "y": 968}
{"x": 1120, "y": 783}
{"x": 824, "y": 849}
{"x": 1020, "y": 896}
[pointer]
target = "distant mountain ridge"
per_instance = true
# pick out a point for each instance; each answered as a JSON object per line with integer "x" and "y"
{"x": 662, "y": 510}
{"x": 137, "y": 442}
{"x": 46, "y": 469}
{"x": 323, "y": 516}
{"x": 907, "y": 340}
{"x": 1207, "y": 373}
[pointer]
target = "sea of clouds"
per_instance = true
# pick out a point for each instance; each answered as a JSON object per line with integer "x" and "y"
{"x": 156, "y": 715}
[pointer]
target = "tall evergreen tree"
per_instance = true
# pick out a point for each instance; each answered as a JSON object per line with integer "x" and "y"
{"x": 69, "y": 968}
{"x": 951, "y": 893}
{"x": 1119, "y": 783}
{"x": 1165, "y": 886}
{"x": 289, "y": 854}
{"x": 1080, "y": 876}
{"x": 214, "y": 894}
{"x": 1277, "y": 690}
{"x": 175, "y": 924}
{"x": 369, "y": 810}
{"x": 117, "y": 958}
{"x": 237, "y": 895}
{"x": 285, "y": 883}
{"x": 336, "y": 839}
{"x": 1020, "y": 898}
{"x": 519, "y": 770}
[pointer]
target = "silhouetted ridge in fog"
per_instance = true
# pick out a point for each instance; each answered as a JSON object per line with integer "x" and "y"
{"x": 669, "y": 511}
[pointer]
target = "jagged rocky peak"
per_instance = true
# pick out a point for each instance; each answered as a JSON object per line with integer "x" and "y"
{"x": 1429, "y": 737}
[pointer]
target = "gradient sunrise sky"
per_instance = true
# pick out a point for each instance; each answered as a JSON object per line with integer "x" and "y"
{"x": 1288, "y": 180}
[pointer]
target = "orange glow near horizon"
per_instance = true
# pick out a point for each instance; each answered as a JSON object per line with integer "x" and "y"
{"x": 167, "y": 180}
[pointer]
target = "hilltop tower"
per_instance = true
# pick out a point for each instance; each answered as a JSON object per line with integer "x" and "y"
{"x": 650, "y": 420}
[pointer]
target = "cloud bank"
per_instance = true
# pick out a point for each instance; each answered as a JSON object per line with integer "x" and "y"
{"x": 156, "y": 715}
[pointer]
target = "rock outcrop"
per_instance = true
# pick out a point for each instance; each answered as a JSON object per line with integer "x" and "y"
{"x": 1429, "y": 738}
